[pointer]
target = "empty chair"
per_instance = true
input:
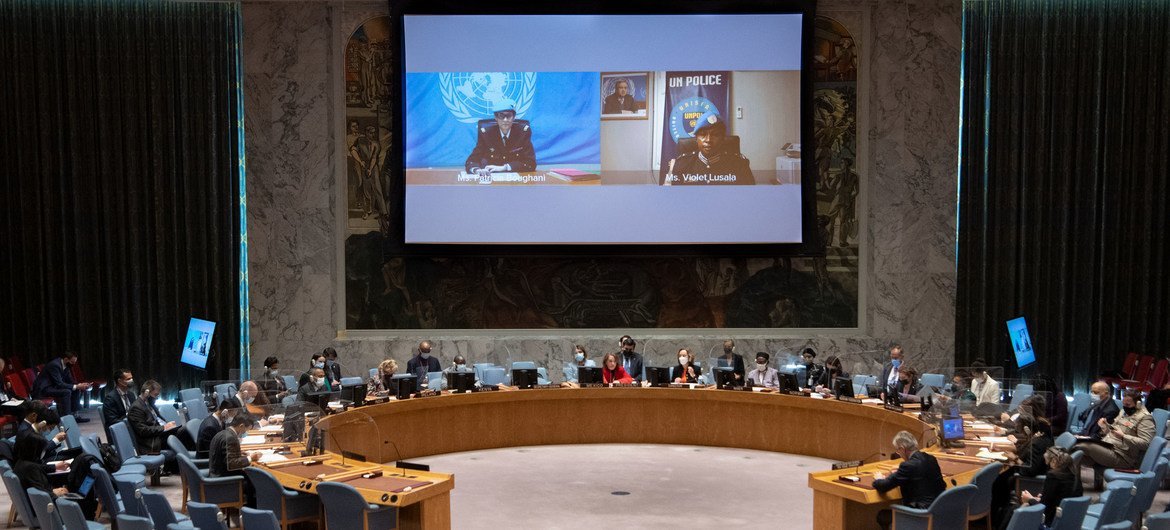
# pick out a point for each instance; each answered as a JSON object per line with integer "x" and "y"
{"x": 187, "y": 394}
{"x": 351, "y": 381}
{"x": 72, "y": 431}
{"x": 479, "y": 367}
{"x": 434, "y": 380}
{"x": 225, "y": 492}
{"x": 345, "y": 508}
{"x": 1081, "y": 403}
{"x": 1070, "y": 515}
{"x": 1123, "y": 525}
{"x": 120, "y": 434}
{"x": 224, "y": 391}
{"x": 1112, "y": 506}
{"x": 1066, "y": 440}
{"x": 129, "y": 491}
{"x": 89, "y": 445}
{"x": 1149, "y": 460}
{"x": 290, "y": 382}
{"x": 289, "y": 507}
{"x": 72, "y": 516}
{"x": 258, "y": 519}
{"x": 1160, "y": 417}
{"x": 1021, "y": 392}
{"x": 196, "y": 409}
{"x": 494, "y": 375}
{"x": 205, "y": 516}
{"x": 200, "y": 463}
{"x": 20, "y": 504}
{"x": 159, "y": 509}
{"x": 948, "y": 511}
{"x": 1027, "y": 518}
{"x": 106, "y": 493}
{"x": 1160, "y": 521}
{"x": 45, "y": 510}
{"x": 980, "y": 506}
{"x": 170, "y": 413}
{"x": 130, "y": 522}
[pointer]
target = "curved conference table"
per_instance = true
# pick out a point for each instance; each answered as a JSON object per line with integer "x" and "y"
{"x": 825, "y": 428}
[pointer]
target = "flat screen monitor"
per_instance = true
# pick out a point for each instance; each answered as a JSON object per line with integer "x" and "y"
{"x": 460, "y": 381}
{"x": 601, "y": 114}
{"x": 724, "y": 377}
{"x": 1021, "y": 342}
{"x": 658, "y": 375}
{"x": 789, "y": 382}
{"x": 952, "y": 429}
{"x": 407, "y": 385}
{"x": 524, "y": 377}
{"x": 843, "y": 386}
{"x": 589, "y": 375}
{"x": 197, "y": 345}
{"x": 356, "y": 394}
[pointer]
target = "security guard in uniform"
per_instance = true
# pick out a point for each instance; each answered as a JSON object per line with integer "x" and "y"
{"x": 712, "y": 163}
{"x": 503, "y": 147}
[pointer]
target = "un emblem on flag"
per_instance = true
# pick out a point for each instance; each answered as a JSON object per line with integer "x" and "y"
{"x": 470, "y": 95}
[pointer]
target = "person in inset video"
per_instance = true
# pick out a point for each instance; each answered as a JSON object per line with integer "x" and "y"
{"x": 620, "y": 100}
{"x": 714, "y": 162}
{"x": 503, "y": 146}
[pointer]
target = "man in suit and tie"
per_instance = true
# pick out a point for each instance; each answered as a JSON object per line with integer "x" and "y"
{"x": 118, "y": 399}
{"x": 1102, "y": 408}
{"x": 501, "y": 146}
{"x": 225, "y": 459}
{"x": 56, "y": 381}
{"x": 918, "y": 475}
{"x": 423, "y": 362}
{"x": 150, "y": 429}
{"x": 890, "y": 370}
{"x": 620, "y": 102}
{"x": 631, "y": 360}
{"x": 210, "y": 426}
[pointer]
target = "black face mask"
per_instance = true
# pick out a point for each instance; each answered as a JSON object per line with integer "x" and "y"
{"x": 727, "y": 351}
{"x": 1129, "y": 410}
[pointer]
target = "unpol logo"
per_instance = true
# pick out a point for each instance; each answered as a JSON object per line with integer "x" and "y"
{"x": 470, "y": 95}
{"x": 684, "y": 115}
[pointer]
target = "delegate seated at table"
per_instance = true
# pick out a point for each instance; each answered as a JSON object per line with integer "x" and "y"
{"x": 502, "y": 147}
{"x": 685, "y": 372}
{"x": 612, "y": 371}
{"x": 918, "y": 476}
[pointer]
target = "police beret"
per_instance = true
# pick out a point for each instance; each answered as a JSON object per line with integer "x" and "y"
{"x": 503, "y": 104}
{"x": 708, "y": 119}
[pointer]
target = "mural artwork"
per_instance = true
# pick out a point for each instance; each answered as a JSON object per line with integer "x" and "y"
{"x": 391, "y": 292}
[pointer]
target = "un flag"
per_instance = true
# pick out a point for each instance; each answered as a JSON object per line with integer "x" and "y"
{"x": 443, "y": 108}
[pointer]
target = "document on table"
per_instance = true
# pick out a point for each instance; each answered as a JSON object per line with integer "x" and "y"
{"x": 253, "y": 439}
{"x": 995, "y": 439}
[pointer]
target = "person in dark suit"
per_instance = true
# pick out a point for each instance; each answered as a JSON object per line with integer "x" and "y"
{"x": 210, "y": 426}
{"x": 314, "y": 385}
{"x": 56, "y": 381}
{"x": 30, "y": 441}
{"x": 423, "y": 362}
{"x": 150, "y": 429}
{"x": 918, "y": 475}
{"x": 1103, "y": 407}
{"x": 890, "y": 370}
{"x": 502, "y": 147}
{"x": 813, "y": 371}
{"x": 621, "y": 100}
{"x": 225, "y": 459}
{"x": 732, "y": 360}
{"x": 685, "y": 371}
{"x": 118, "y": 399}
{"x": 332, "y": 367}
{"x": 318, "y": 361}
{"x": 631, "y": 360}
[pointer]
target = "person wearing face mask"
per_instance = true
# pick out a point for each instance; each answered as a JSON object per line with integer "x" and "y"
{"x": 210, "y": 426}
{"x": 314, "y": 386}
{"x": 908, "y": 386}
{"x": 763, "y": 375}
{"x": 580, "y": 360}
{"x": 150, "y": 429}
{"x": 458, "y": 364}
{"x": 918, "y": 476}
{"x": 813, "y": 371}
{"x": 1102, "y": 407}
{"x": 1128, "y": 437}
{"x": 685, "y": 371}
{"x": 732, "y": 360}
{"x": 423, "y": 362}
{"x": 317, "y": 361}
{"x": 226, "y": 459}
{"x": 613, "y": 372}
{"x": 332, "y": 367}
{"x": 272, "y": 386}
{"x": 833, "y": 370}
{"x": 31, "y": 448}
{"x": 890, "y": 370}
{"x": 631, "y": 360}
{"x": 245, "y": 395}
{"x": 117, "y": 400}
{"x": 985, "y": 388}
{"x": 384, "y": 381}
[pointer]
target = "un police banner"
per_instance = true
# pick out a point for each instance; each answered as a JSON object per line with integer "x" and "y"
{"x": 689, "y": 95}
{"x": 442, "y": 110}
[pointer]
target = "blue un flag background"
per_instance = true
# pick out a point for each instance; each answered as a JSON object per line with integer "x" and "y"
{"x": 442, "y": 110}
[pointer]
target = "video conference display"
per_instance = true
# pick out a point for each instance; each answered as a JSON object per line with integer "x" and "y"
{"x": 602, "y": 129}
{"x": 197, "y": 344}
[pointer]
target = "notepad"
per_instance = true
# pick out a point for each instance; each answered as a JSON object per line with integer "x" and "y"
{"x": 253, "y": 439}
